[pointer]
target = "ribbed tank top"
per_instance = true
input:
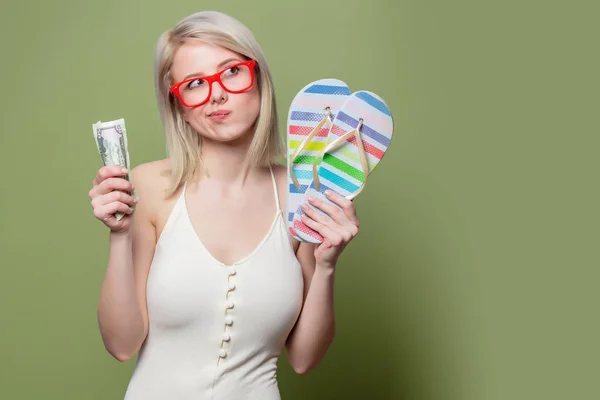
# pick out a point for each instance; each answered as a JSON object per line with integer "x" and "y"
{"x": 216, "y": 331}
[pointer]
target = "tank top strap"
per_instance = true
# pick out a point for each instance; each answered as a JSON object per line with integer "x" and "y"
{"x": 183, "y": 189}
{"x": 180, "y": 203}
{"x": 275, "y": 189}
{"x": 182, "y": 194}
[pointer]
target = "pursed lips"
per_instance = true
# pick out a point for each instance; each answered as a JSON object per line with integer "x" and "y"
{"x": 219, "y": 113}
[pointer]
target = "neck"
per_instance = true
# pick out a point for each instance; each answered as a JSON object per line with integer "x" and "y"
{"x": 225, "y": 162}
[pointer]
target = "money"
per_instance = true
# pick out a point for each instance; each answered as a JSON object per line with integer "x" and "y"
{"x": 111, "y": 141}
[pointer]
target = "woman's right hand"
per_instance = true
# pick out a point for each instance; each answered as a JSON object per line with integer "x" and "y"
{"x": 111, "y": 193}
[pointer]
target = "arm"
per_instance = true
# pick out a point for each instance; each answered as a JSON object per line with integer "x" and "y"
{"x": 122, "y": 315}
{"x": 315, "y": 329}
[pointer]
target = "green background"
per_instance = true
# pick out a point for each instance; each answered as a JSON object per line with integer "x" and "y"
{"x": 476, "y": 271}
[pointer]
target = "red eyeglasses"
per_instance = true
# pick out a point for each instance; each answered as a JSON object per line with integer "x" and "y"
{"x": 194, "y": 92}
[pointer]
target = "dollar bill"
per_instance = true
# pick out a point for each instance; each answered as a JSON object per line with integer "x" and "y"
{"x": 111, "y": 141}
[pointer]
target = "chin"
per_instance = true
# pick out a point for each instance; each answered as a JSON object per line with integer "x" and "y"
{"x": 230, "y": 133}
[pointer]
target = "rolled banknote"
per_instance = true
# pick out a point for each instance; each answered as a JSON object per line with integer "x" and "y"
{"x": 111, "y": 141}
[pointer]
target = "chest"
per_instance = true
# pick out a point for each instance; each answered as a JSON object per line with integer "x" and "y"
{"x": 187, "y": 287}
{"x": 230, "y": 228}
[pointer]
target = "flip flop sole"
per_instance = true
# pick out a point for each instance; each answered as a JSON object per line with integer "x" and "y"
{"x": 307, "y": 134}
{"x": 346, "y": 162}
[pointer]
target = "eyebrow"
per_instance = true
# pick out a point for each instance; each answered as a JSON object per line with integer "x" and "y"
{"x": 221, "y": 65}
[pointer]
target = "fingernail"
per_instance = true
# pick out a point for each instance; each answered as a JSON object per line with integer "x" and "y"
{"x": 124, "y": 170}
{"x": 304, "y": 207}
{"x": 328, "y": 193}
{"x": 311, "y": 198}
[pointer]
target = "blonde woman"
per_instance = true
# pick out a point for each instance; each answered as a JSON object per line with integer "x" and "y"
{"x": 203, "y": 282}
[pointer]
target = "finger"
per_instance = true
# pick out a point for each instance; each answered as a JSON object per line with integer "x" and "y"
{"x": 109, "y": 185}
{"x": 346, "y": 205}
{"x": 328, "y": 234}
{"x": 118, "y": 225}
{"x": 106, "y": 212}
{"x": 113, "y": 196}
{"x": 315, "y": 215}
{"x": 347, "y": 231}
{"x": 109, "y": 171}
{"x": 334, "y": 212}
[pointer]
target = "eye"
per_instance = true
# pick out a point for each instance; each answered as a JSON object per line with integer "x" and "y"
{"x": 195, "y": 83}
{"x": 232, "y": 71}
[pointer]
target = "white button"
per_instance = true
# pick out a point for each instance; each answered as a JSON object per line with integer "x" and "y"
{"x": 222, "y": 353}
{"x": 229, "y": 304}
{"x": 231, "y": 286}
{"x": 228, "y": 321}
{"x": 232, "y": 271}
{"x": 226, "y": 337}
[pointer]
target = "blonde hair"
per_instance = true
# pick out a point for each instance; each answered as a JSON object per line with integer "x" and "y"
{"x": 183, "y": 143}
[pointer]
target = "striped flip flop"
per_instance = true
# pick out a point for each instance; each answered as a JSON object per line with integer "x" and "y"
{"x": 309, "y": 119}
{"x": 358, "y": 139}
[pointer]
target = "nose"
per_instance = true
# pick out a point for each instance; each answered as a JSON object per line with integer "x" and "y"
{"x": 218, "y": 94}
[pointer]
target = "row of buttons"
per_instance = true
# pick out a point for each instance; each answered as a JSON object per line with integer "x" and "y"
{"x": 229, "y": 304}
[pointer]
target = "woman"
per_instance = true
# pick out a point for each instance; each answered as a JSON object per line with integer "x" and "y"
{"x": 203, "y": 278}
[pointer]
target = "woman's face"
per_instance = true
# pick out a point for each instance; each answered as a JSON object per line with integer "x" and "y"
{"x": 225, "y": 116}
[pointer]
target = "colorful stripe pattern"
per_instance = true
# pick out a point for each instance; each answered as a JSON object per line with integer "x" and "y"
{"x": 308, "y": 108}
{"x": 341, "y": 170}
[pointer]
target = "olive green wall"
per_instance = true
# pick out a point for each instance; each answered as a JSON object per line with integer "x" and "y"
{"x": 474, "y": 276}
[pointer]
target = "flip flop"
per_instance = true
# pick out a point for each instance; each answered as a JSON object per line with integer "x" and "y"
{"x": 309, "y": 119}
{"x": 347, "y": 162}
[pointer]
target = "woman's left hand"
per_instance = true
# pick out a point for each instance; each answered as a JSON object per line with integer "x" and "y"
{"x": 337, "y": 231}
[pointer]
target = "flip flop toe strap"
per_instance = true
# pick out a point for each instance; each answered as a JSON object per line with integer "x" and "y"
{"x": 337, "y": 143}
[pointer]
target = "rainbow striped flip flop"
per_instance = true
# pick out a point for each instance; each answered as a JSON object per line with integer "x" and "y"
{"x": 309, "y": 119}
{"x": 358, "y": 139}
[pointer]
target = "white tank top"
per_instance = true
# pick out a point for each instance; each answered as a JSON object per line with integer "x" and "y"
{"x": 216, "y": 331}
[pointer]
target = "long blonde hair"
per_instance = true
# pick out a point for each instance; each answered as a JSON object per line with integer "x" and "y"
{"x": 183, "y": 143}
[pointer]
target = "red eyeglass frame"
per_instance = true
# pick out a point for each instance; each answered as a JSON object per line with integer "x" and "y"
{"x": 174, "y": 88}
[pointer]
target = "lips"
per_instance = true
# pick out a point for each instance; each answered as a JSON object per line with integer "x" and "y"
{"x": 219, "y": 113}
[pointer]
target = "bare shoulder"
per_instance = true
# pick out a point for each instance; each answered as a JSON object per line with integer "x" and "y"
{"x": 281, "y": 177}
{"x": 150, "y": 181}
{"x": 151, "y": 178}
{"x": 145, "y": 173}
